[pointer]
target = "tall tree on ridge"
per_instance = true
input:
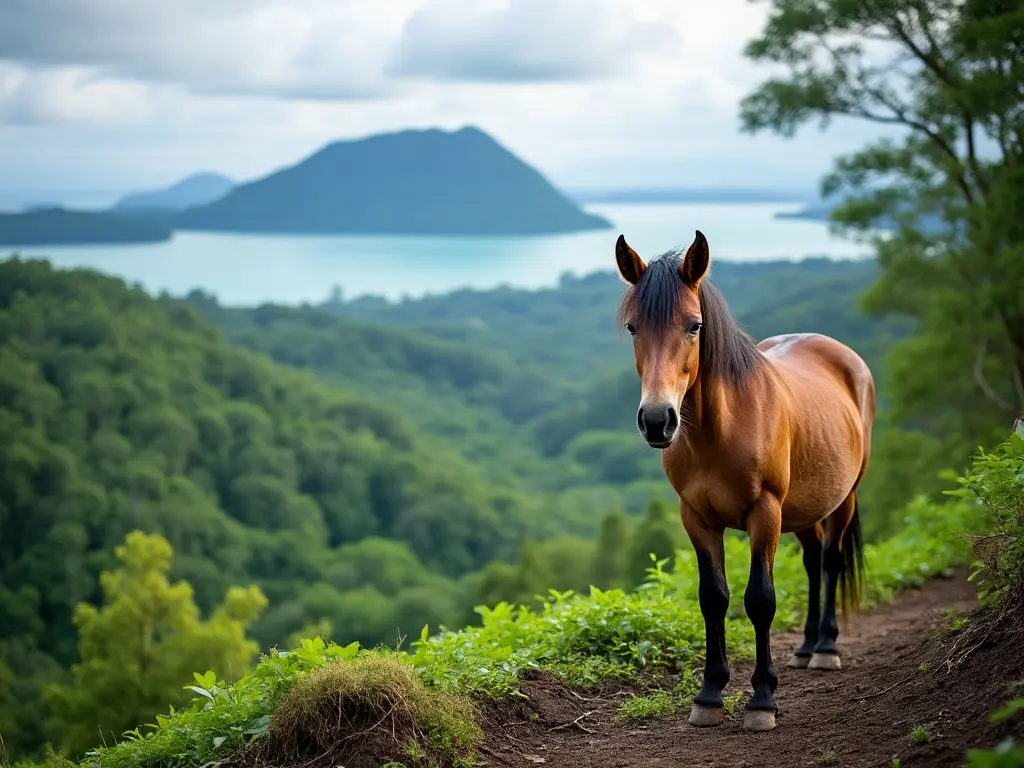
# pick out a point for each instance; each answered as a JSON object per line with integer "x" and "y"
{"x": 950, "y": 75}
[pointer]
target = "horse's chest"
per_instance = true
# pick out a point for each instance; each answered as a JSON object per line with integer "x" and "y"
{"x": 717, "y": 498}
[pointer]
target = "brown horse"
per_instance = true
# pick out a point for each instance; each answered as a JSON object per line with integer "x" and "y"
{"x": 765, "y": 438}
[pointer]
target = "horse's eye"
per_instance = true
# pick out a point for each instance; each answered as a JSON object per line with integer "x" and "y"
{"x": 694, "y": 327}
{"x": 631, "y": 330}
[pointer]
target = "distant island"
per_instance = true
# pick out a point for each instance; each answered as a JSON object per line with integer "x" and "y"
{"x": 816, "y": 212}
{"x": 415, "y": 182}
{"x": 734, "y": 195}
{"x": 821, "y": 212}
{"x": 58, "y": 226}
{"x": 198, "y": 189}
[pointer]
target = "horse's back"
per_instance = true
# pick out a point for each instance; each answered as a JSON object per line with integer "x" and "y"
{"x": 830, "y": 396}
{"x": 814, "y": 356}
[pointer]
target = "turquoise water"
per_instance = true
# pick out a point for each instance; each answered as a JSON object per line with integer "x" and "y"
{"x": 249, "y": 269}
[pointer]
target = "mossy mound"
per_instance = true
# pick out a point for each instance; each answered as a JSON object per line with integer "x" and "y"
{"x": 365, "y": 713}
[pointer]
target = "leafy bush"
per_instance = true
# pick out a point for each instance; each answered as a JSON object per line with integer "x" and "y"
{"x": 284, "y": 689}
{"x": 996, "y": 481}
{"x": 137, "y": 648}
{"x": 614, "y": 633}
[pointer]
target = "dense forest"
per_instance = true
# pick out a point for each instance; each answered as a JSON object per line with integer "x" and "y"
{"x": 370, "y": 467}
{"x": 538, "y": 388}
{"x": 121, "y": 412}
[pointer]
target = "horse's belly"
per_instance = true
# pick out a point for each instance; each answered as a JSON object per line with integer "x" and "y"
{"x": 826, "y": 459}
{"x": 811, "y": 499}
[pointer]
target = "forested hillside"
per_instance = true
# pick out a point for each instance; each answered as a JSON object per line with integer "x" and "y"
{"x": 121, "y": 412}
{"x": 434, "y": 455}
{"x": 538, "y": 388}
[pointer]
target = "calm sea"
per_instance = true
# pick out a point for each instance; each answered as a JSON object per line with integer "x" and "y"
{"x": 246, "y": 270}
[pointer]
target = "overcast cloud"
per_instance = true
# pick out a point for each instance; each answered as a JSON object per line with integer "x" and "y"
{"x": 118, "y": 94}
{"x": 525, "y": 41}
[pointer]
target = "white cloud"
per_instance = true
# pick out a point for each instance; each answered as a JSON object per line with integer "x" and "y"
{"x": 593, "y": 92}
{"x": 69, "y": 94}
{"x": 525, "y": 40}
{"x": 288, "y": 48}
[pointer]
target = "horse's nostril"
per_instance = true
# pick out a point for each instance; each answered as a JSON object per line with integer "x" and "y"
{"x": 671, "y": 422}
{"x": 640, "y": 422}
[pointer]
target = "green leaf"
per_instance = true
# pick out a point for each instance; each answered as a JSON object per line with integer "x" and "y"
{"x": 1008, "y": 710}
{"x": 200, "y": 690}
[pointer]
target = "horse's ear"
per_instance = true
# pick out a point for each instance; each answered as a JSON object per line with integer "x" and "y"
{"x": 631, "y": 266}
{"x": 695, "y": 263}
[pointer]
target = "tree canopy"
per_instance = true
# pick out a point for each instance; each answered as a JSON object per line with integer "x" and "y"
{"x": 138, "y": 647}
{"x": 946, "y": 77}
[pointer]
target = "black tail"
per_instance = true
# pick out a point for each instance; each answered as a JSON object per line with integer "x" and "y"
{"x": 851, "y": 578}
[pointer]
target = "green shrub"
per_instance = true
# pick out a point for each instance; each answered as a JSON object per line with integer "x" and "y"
{"x": 995, "y": 481}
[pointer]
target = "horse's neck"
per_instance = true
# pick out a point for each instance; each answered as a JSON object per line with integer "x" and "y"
{"x": 708, "y": 414}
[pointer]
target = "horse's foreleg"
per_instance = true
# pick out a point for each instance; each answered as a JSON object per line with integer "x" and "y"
{"x": 810, "y": 540}
{"x": 826, "y": 652}
{"x": 713, "y": 593}
{"x": 764, "y": 526}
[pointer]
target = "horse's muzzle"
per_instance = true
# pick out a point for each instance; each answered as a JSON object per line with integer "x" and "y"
{"x": 658, "y": 424}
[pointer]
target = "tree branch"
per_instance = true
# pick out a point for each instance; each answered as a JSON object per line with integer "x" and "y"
{"x": 982, "y": 382}
{"x": 933, "y": 62}
{"x": 1018, "y": 384}
{"x": 928, "y": 58}
{"x": 899, "y": 115}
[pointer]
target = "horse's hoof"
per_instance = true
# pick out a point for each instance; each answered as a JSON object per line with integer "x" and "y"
{"x": 825, "y": 661}
{"x": 706, "y": 717}
{"x": 798, "y": 662}
{"x": 759, "y": 720}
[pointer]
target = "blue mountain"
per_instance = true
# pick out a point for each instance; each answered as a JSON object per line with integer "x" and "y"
{"x": 199, "y": 189}
{"x": 424, "y": 182}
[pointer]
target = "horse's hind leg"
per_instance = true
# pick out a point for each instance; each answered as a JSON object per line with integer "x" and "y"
{"x": 810, "y": 540}
{"x": 833, "y": 562}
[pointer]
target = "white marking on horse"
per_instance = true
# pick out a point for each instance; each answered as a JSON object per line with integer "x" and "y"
{"x": 786, "y": 342}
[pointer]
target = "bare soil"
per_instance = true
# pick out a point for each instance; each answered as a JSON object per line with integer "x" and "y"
{"x": 902, "y": 668}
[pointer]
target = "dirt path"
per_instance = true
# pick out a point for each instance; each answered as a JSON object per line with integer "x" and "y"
{"x": 862, "y": 715}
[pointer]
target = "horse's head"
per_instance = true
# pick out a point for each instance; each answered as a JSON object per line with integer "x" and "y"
{"x": 661, "y": 310}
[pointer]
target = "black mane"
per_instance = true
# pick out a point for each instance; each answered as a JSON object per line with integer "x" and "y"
{"x": 727, "y": 353}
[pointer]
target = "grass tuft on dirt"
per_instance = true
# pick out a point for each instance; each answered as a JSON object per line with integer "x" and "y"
{"x": 363, "y": 711}
{"x": 650, "y": 706}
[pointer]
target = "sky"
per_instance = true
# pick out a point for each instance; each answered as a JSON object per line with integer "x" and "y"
{"x": 134, "y": 94}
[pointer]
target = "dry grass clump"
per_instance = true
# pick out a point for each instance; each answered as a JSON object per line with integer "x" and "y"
{"x": 367, "y": 712}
